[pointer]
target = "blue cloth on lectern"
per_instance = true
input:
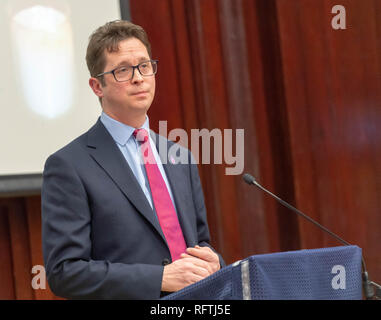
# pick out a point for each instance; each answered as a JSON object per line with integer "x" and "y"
{"x": 308, "y": 274}
{"x": 314, "y": 274}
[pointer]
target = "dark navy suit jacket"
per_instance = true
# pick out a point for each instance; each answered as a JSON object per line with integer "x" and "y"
{"x": 101, "y": 238}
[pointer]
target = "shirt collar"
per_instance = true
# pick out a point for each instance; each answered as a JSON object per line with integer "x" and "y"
{"x": 119, "y": 131}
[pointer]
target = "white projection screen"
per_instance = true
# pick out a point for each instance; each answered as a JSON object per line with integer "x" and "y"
{"x": 44, "y": 94}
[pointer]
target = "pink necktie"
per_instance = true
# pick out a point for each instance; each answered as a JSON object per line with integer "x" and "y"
{"x": 162, "y": 201}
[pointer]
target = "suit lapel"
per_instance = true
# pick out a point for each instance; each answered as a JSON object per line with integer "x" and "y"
{"x": 175, "y": 175}
{"x": 106, "y": 153}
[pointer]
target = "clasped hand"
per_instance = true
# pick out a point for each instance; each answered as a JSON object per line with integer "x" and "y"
{"x": 194, "y": 265}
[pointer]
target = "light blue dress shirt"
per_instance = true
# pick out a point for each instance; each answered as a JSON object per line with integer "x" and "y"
{"x": 130, "y": 148}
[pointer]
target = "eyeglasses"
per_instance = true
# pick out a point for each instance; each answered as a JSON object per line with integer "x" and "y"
{"x": 126, "y": 73}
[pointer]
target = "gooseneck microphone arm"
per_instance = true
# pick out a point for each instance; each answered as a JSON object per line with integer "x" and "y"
{"x": 367, "y": 284}
{"x": 250, "y": 180}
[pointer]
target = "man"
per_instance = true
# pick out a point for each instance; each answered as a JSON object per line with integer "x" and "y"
{"x": 119, "y": 221}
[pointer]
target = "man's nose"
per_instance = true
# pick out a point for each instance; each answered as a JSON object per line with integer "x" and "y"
{"x": 136, "y": 76}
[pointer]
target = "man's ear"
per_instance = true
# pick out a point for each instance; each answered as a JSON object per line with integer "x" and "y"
{"x": 96, "y": 86}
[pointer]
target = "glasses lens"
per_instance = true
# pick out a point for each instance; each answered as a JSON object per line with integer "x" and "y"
{"x": 123, "y": 73}
{"x": 147, "y": 68}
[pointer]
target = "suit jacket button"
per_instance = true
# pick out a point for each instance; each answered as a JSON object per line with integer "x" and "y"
{"x": 165, "y": 262}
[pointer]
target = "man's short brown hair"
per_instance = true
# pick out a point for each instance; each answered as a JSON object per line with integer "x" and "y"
{"x": 108, "y": 37}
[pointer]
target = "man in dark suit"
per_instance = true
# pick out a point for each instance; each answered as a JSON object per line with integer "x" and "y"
{"x": 114, "y": 225}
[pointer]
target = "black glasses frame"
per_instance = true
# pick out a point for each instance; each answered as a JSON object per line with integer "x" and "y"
{"x": 154, "y": 62}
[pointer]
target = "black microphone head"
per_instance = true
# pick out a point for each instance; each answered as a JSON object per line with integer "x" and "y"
{"x": 248, "y": 178}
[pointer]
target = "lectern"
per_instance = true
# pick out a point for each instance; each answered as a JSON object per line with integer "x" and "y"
{"x": 315, "y": 274}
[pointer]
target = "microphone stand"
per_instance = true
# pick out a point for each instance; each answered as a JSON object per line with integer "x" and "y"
{"x": 368, "y": 286}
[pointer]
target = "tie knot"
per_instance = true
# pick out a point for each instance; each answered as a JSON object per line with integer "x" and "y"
{"x": 141, "y": 135}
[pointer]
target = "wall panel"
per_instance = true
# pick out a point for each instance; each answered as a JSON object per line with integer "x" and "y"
{"x": 7, "y": 290}
{"x": 332, "y": 88}
{"x": 20, "y": 249}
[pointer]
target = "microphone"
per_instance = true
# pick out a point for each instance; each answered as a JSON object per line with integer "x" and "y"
{"x": 367, "y": 284}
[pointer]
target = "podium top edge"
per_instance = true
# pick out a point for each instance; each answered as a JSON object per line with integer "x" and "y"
{"x": 304, "y": 251}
